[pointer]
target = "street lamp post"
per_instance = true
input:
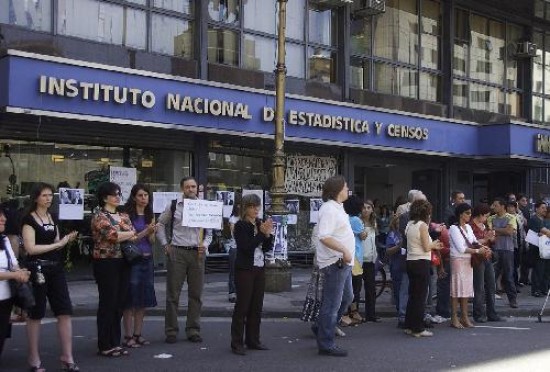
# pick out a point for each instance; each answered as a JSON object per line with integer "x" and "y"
{"x": 278, "y": 275}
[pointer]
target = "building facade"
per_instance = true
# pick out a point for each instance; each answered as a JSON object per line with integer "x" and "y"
{"x": 428, "y": 94}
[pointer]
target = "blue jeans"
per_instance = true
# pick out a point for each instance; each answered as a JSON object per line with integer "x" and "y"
{"x": 337, "y": 296}
{"x": 484, "y": 291}
{"x": 505, "y": 267}
{"x": 443, "y": 307}
{"x": 403, "y": 297}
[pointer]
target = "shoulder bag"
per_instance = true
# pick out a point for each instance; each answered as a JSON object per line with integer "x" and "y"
{"x": 130, "y": 250}
{"x": 21, "y": 293}
{"x": 476, "y": 259}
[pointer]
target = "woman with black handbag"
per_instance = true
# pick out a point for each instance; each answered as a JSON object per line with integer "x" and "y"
{"x": 111, "y": 271}
{"x": 45, "y": 258}
{"x": 9, "y": 270}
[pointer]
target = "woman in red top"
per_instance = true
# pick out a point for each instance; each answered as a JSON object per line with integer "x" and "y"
{"x": 111, "y": 272}
{"x": 484, "y": 273}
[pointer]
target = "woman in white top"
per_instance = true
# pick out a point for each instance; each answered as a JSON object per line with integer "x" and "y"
{"x": 21, "y": 275}
{"x": 419, "y": 248}
{"x": 463, "y": 245}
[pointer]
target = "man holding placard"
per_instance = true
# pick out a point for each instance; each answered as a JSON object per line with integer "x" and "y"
{"x": 185, "y": 248}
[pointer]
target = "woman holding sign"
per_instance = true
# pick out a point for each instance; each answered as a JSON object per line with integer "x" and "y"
{"x": 253, "y": 238}
{"x": 141, "y": 292}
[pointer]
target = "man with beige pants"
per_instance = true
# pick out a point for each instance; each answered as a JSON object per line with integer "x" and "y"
{"x": 185, "y": 250}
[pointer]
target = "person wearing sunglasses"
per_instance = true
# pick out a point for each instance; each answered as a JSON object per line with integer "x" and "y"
{"x": 111, "y": 272}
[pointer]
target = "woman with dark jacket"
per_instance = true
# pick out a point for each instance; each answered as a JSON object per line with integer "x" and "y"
{"x": 253, "y": 238}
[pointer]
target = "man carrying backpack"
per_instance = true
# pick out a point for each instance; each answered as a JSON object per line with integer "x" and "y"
{"x": 185, "y": 248}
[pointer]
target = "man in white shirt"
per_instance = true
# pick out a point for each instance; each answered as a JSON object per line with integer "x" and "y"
{"x": 335, "y": 253}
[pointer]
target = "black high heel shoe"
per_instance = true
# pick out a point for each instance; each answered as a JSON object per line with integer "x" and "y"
{"x": 69, "y": 367}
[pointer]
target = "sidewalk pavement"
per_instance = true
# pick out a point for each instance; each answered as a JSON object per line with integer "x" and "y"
{"x": 276, "y": 305}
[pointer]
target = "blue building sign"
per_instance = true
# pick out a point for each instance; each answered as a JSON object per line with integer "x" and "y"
{"x": 66, "y": 88}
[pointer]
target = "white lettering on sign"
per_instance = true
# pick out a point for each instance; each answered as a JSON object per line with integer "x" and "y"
{"x": 305, "y": 175}
{"x": 202, "y": 213}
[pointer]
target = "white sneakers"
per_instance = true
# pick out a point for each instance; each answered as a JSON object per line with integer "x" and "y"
{"x": 338, "y": 332}
{"x": 424, "y": 333}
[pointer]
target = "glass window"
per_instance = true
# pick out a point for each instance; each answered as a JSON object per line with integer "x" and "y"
{"x": 431, "y": 30}
{"x": 396, "y": 80}
{"x": 233, "y": 172}
{"x": 487, "y": 50}
{"x": 103, "y": 22}
{"x": 514, "y": 36}
{"x": 538, "y": 63}
{"x": 161, "y": 169}
{"x": 259, "y": 53}
{"x": 396, "y": 32}
{"x": 223, "y": 46}
{"x": 172, "y": 36}
{"x": 460, "y": 93}
{"x": 537, "y": 109}
{"x": 460, "y": 59}
{"x": 295, "y": 15}
{"x": 486, "y": 98}
{"x": 256, "y": 16}
{"x": 430, "y": 87}
{"x": 182, "y": 6}
{"x": 226, "y": 11}
{"x": 514, "y": 104}
{"x": 140, "y": 2}
{"x": 323, "y": 27}
{"x": 321, "y": 65}
{"x": 35, "y": 15}
{"x": 360, "y": 43}
{"x": 547, "y": 111}
{"x": 360, "y": 74}
{"x": 295, "y": 60}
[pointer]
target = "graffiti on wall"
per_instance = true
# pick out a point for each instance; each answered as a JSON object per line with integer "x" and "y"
{"x": 305, "y": 175}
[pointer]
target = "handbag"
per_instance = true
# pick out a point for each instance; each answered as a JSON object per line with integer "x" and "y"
{"x": 475, "y": 259}
{"x": 130, "y": 250}
{"x": 21, "y": 293}
{"x": 436, "y": 259}
{"x": 544, "y": 247}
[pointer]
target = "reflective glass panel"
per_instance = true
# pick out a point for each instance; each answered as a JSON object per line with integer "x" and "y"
{"x": 35, "y": 15}
{"x": 486, "y": 98}
{"x": 514, "y": 36}
{"x": 259, "y": 53}
{"x": 323, "y": 27}
{"x": 430, "y": 87}
{"x": 295, "y": 16}
{"x": 487, "y": 50}
{"x": 360, "y": 42}
{"x": 226, "y": 11}
{"x": 395, "y": 80}
{"x": 514, "y": 104}
{"x": 172, "y": 36}
{"x": 103, "y": 22}
{"x": 182, "y": 6}
{"x": 223, "y": 46}
{"x": 460, "y": 93}
{"x": 537, "y": 109}
{"x": 547, "y": 111}
{"x": 460, "y": 58}
{"x": 257, "y": 17}
{"x": 396, "y": 32}
{"x": 321, "y": 65}
{"x": 295, "y": 60}
{"x": 431, "y": 33}
{"x": 360, "y": 74}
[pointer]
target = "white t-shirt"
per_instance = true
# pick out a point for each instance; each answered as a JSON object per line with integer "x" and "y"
{"x": 5, "y": 291}
{"x": 334, "y": 223}
{"x": 458, "y": 244}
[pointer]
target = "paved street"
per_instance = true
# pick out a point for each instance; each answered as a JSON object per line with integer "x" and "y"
{"x": 505, "y": 346}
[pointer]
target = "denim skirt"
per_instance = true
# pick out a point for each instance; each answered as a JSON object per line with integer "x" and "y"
{"x": 141, "y": 291}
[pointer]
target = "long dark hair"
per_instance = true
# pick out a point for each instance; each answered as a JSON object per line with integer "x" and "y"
{"x": 2, "y": 236}
{"x": 130, "y": 206}
{"x": 35, "y": 193}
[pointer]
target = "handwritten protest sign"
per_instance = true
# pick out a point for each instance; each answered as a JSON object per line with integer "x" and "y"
{"x": 202, "y": 213}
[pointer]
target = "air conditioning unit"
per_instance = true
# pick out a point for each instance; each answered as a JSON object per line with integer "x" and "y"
{"x": 329, "y": 4}
{"x": 368, "y": 7}
{"x": 526, "y": 49}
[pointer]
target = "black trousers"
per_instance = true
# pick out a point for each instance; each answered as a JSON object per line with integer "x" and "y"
{"x": 247, "y": 313}
{"x": 112, "y": 276}
{"x": 5, "y": 326}
{"x": 419, "y": 278}
{"x": 369, "y": 281}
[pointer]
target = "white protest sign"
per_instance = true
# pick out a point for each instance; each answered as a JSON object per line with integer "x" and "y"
{"x": 162, "y": 199}
{"x": 71, "y": 204}
{"x": 126, "y": 178}
{"x": 202, "y": 213}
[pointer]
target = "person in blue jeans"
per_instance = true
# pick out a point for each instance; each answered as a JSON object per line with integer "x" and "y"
{"x": 335, "y": 256}
{"x": 394, "y": 250}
